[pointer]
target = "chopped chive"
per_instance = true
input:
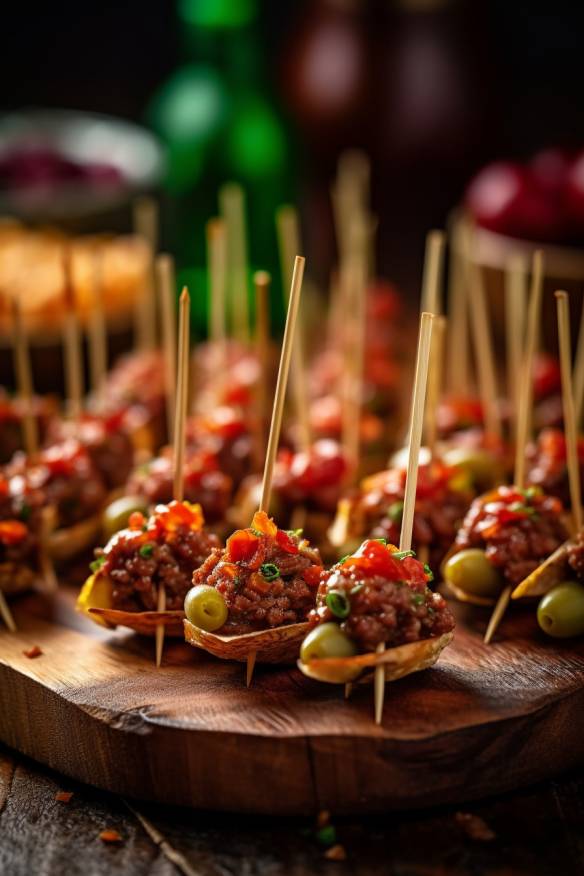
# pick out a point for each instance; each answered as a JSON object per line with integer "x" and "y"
{"x": 429, "y": 573}
{"x": 357, "y": 588}
{"x": 401, "y": 555}
{"x": 256, "y": 532}
{"x": 338, "y": 603}
{"x": 96, "y": 565}
{"x": 270, "y": 571}
{"x": 146, "y": 550}
{"x": 344, "y": 559}
{"x": 380, "y": 540}
{"x": 417, "y": 599}
{"x": 294, "y": 532}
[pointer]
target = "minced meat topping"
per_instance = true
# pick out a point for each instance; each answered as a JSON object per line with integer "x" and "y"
{"x": 382, "y": 596}
{"x": 267, "y": 576}
{"x": 165, "y": 549}
{"x": 517, "y": 529}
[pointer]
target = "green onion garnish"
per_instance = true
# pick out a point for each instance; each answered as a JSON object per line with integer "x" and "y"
{"x": 380, "y": 540}
{"x": 294, "y": 532}
{"x": 401, "y": 555}
{"x": 256, "y": 532}
{"x": 270, "y": 571}
{"x": 338, "y": 603}
{"x": 96, "y": 565}
{"x": 146, "y": 550}
{"x": 429, "y": 572}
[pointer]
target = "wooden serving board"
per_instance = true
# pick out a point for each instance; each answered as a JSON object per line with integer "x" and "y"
{"x": 484, "y": 720}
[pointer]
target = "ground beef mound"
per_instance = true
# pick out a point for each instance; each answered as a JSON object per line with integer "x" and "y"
{"x": 268, "y": 577}
{"x": 547, "y": 460}
{"x": 204, "y": 483}
{"x": 440, "y": 509}
{"x": 389, "y": 600}
{"x": 164, "y": 550}
{"x": 516, "y": 529}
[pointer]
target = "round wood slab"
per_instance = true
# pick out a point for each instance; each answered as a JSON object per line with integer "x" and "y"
{"x": 483, "y": 721}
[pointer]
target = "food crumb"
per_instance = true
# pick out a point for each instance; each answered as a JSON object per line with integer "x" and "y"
{"x": 33, "y": 652}
{"x": 475, "y": 827}
{"x": 323, "y": 818}
{"x": 110, "y": 836}
{"x": 336, "y": 853}
{"x": 63, "y": 796}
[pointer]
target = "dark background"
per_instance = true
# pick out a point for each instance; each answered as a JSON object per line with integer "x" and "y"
{"x": 518, "y": 66}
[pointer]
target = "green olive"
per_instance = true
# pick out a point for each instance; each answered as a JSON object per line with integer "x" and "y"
{"x": 205, "y": 608}
{"x": 560, "y": 612}
{"x": 326, "y": 640}
{"x": 482, "y": 467}
{"x": 471, "y": 571}
{"x": 117, "y": 513}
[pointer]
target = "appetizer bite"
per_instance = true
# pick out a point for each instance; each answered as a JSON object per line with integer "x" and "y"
{"x": 255, "y": 595}
{"x": 163, "y": 549}
{"x": 377, "y": 596}
{"x": 505, "y": 536}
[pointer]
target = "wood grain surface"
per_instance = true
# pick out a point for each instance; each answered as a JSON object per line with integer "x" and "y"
{"x": 484, "y": 720}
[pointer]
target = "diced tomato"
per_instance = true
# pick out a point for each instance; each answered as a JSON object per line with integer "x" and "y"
{"x": 246, "y": 548}
{"x": 312, "y": 575}
{"x": 264, "y": 524}
{"x": 284, "y": 541}
{"x": 136, "y": 520}
{"x": 12, "y": 532}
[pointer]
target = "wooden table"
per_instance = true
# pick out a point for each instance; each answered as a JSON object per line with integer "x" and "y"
{"x": 538, "y": 832}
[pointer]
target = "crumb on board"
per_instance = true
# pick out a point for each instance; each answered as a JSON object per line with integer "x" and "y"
{"x": 336, "y": 853}
{"x": 33, "y": 652}
{"x": 475, "y": 827}
{"x": 63, "y": 796}
{"x": 110, "y": 836}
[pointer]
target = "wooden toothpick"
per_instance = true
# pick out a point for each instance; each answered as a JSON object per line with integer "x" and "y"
{"x": 457, "y": 377}
{"x": 179, "y": 434}
{"x": 23, "y": 371}
{"x": 278, "y": 408}
{"x": 146, "y": 226}
{"x": 515, "y": 305}
{"x": 73, "y": 358}
{"x": 97, "y": 334}
{"x": 570, "y": 426}
{"x": 217, "y": 267}
{"x": 261, "y": 283}
{"x": 7, "y": 616}
{"x": 579, "y": 371}
{"x": 485, "y": 361}
{"x": 434, "y": 390}
{"x": 415, "y": 440}
{"x": 166, "y": 283}
{"x": 232, "y": 209}
{"x": 289, "y": 246}
{"x": 523, "y": 414}
{"x": 433, "y": 270}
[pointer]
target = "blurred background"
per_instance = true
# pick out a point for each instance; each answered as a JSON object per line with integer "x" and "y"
{"x": 269, "y": 93}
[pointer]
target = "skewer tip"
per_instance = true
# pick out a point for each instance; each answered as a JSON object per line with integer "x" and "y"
{"x": 184, "y": 295}
{"x": 262, "y": 278}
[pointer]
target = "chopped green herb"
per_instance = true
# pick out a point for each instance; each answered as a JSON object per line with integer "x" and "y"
{"x": 294, "y": 532}
{"x": 256, "y": 532}
{"x": 357, "y": 588}
{"x": 327, "y": 836}
{"x": 146, "y": 550}
{"x": 96, "y": 565}
{"x": 343, "y": 559}
{"x": 25, "y": 511}
{"x": 395, "y": 511}
{"x": 401, "y": 555}
{"x": 417, "y": 599}
{"x": 270, "y": 571}
{"x": 429, "y": 572}
{"x": 380, "y": 540}
{"x": 338, "y": 604}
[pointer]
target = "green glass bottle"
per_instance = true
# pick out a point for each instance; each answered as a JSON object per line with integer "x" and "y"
{"x": 218, "y": 118}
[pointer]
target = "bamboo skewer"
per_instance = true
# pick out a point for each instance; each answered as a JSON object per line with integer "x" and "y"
{"x": 434, "y": 390}
{"x": 570, "y": 425}
{"x": 24, "y": 381}
{"x": 458, "y": 359}
{"x": 578, "y": 380}
{"x": 289, "y": 245}
{"x": 179, "y": 435}
{"x": 7, "y": 616}
{"x": 433, "y": 270}
{"x": 73, "y": 359}
{"x": 415, "y": 440}
{"x": 165, "y": 281}
{"x": 278, "y": 407}
{"x": 232, "y": 209}
{"x": 146, "y": 227}
{"x": 523, "y": 414}
{"x": 481, "y": 327}
{"x": 515, "y": 303}
{"x": 262, "y": 339}
{"x": 97, "y": 335}
{"x": 526, "y": 387}
{"x": 217, "y": 262}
